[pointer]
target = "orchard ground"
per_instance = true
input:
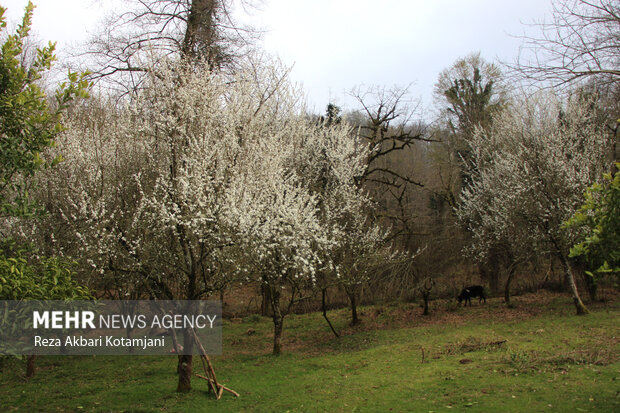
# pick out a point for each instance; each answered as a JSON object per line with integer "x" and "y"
{"x": 535, "y": 357}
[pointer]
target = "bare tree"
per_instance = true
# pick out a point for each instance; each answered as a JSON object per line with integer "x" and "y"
{"x": 392, "y": 135}
{"x": 469, "y": 94}
{"x": 148, "y": 30}
{"x": 581, "y": 41}
{"x": 389, "y": 127}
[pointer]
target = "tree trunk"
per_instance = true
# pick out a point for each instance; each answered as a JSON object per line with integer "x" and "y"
{"x": 222, "y": 299}
{"x": 185, "y": 374}
{"x": 425, "y": 296}
{"x": 129, "y": 333}
{"x": 511, "y": 274}
{"x": 179, "y": 364}
{"x": 589, "y": 281}
{"x": 580, "y": 307}
{"x": 266, "y": 300}
{"x": 30, "y": 366}
{"x": 489, "y": 272}
{"x": 199, "y": 40}
{"x": 353, "y": 299}
{"x": 185, "y": 360}
{"x": 278, "y": 322}
{"x": 591, "y": 286}
{"x": 278, "y": 325}
{"x": 615, "y": 153}
{"x": 324, "y": 307}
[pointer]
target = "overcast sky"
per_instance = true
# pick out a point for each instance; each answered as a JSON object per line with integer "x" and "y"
{"x": 335, "y": 45}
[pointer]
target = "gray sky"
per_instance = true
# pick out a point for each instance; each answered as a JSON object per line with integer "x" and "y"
{"x": 338, "y": 44}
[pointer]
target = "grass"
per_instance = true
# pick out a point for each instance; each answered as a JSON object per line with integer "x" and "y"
{"x": 551, "y": 361}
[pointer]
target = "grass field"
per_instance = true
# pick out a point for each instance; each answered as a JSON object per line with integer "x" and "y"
{"x": 456, "y": 359}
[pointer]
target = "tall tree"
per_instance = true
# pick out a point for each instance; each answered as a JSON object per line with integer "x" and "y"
{"x": 392, "y": 134}
{"x": 143, "y": 186}
{"x": 470, "y": 93}
{"x": 135, "y": 39}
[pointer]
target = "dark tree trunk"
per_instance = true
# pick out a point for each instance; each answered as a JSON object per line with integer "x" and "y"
{"x": 185, "y": 374}
{"x": 278, "y": 322}
{"x": 129, "y": 333}
{"x": 200, "y": 32}
{"x": 266, "y": 300}
{"x": 353, "y": 299}
{"x": 589, "y": 281}
{"x": 511, "y": 274}
{"x": 324, "y": 307}
{"x": 489, "y": 271}
{"x": 591, "y": 286}
{"x": 179, "y": 364}
{"x": 278, "y": 326}
{"x": 30, "y": 365}
{"x": 425, "y": 296}
{"x": 222, "y": 299}
{"x": 425, "y": 289}
{"x": 185, "y": 363}
{"x": 494, "y": 282}
{"x": 615, "y": 153}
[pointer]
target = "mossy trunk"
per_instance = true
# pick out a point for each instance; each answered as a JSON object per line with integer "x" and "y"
{"x": 570, "y": 278}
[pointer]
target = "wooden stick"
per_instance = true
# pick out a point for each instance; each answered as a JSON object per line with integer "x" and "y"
{"x": 205, "y": 358}
{"x": 222, "y": 387}
{"x": 208, "y": 374}
{"x": 211, "y": 385}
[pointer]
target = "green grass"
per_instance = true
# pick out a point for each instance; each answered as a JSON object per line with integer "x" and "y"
{"x": 552, "y": 361}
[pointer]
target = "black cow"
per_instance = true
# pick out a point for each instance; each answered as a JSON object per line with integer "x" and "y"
{"x": 469, "y": 292}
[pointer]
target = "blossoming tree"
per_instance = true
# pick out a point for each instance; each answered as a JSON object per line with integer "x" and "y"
{"x": 202, "y": 178}
{"x": 532, "y": 168}
{"x": 298, "y": 202}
